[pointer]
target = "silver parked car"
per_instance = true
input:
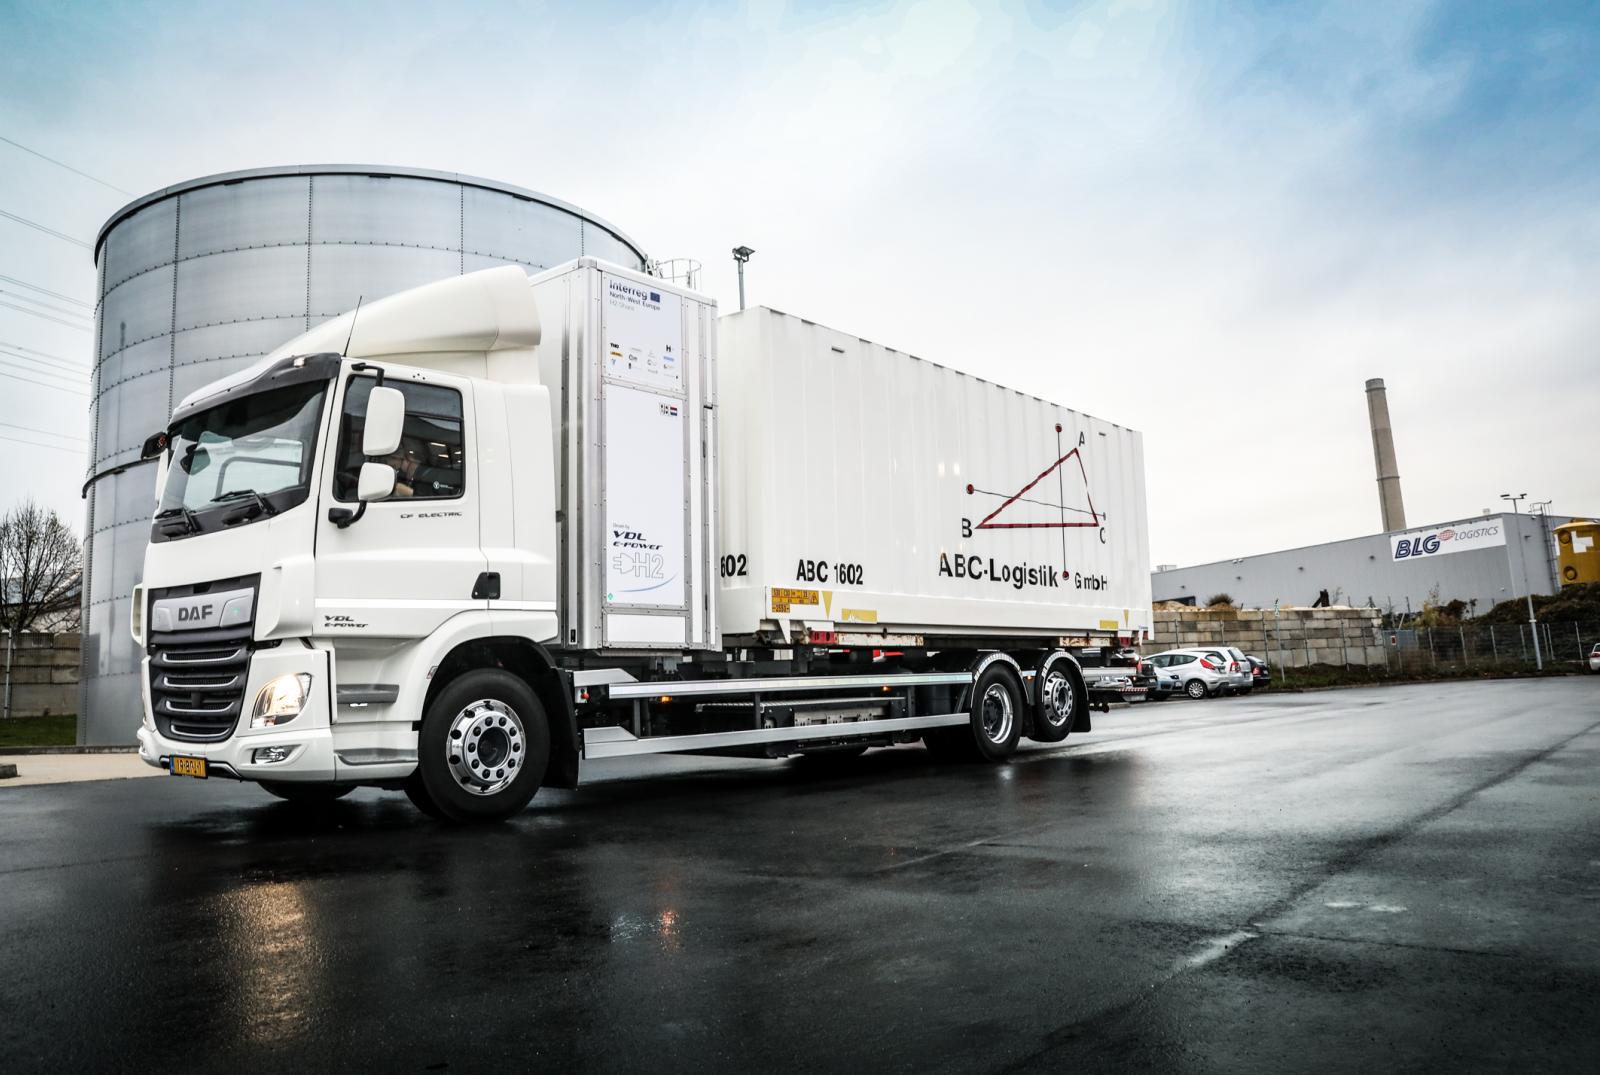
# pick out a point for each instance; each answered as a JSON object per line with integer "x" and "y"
{"x": 1239, "y": 669}
{"x": 1198, "y": 673}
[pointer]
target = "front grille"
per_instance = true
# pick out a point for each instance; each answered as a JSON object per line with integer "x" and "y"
{"x": 197, "y": 682}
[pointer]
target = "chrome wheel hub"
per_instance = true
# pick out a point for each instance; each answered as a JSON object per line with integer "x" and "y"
{"x": 485, "y": 746}
{"x": 1056, "y": 693}
{"x": 997, "y": 714}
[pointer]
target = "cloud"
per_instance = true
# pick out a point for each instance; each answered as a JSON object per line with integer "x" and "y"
{"x": 1210, "y": 223}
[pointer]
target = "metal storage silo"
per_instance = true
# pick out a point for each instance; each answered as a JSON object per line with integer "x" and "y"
{"x": 199, "y": 279}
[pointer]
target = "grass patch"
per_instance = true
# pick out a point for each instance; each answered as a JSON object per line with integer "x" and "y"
{"x": 57, "y": 730}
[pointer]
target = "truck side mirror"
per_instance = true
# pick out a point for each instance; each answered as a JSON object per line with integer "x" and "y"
{"x": 376, "y": 481}
{"x": 386, "y": 419}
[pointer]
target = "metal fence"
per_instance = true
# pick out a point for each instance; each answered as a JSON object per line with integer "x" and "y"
{"x": 1509, "y": 645}
{"x": 1306, "y": 639}
{"x": 1465, "y": 647}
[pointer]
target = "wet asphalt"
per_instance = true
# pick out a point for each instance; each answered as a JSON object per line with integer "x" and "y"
{"x": 1363, "y": 880}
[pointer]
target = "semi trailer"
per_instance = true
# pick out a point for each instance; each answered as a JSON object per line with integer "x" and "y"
{"x": 459, "y": 540}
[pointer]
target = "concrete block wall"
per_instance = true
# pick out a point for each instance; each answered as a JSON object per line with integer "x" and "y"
{"x": 1294, "y": 637}
{"x": 44, "y": 673}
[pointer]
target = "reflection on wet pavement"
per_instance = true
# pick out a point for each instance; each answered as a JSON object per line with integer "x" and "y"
{"x": 1354, "y": 876}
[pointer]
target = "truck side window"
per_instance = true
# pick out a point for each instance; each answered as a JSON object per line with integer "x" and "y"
{"x": 429, "y": 464}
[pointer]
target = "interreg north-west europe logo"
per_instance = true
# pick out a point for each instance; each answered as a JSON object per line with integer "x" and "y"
{"x": 629, "y": 292}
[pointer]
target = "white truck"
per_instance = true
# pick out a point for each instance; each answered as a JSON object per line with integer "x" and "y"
{"x": 461, "y": 538}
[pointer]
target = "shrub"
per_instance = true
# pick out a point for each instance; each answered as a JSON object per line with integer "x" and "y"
{"x": 1220, "y": 600}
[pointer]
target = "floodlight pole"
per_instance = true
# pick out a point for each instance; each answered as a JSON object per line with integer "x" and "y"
{"x": 741, "y": 254}
{"x": 1533, "y": 624}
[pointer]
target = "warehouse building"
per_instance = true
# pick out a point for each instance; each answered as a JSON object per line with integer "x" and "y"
{"x": 1481, "y": 561}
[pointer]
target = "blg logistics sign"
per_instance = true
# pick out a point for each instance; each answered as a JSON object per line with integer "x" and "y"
{"x": 1463, "y": 537}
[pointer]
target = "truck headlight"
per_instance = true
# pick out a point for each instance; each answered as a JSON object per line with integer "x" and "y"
{"x": 281, "y": 700}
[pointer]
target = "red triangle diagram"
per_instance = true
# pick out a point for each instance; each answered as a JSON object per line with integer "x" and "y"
{"x": 1042, "y": 504}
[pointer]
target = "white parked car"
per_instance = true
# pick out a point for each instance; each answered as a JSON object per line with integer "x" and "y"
{"x": 1594, "y": 658}
{"x": 1198, "y": 673}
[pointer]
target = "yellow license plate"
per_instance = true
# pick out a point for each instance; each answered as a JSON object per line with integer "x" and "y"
{"x": 186, "y": 766}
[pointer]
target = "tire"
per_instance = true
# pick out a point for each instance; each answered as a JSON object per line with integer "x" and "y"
{"x": 1196, "y": 689}
{"x": 483, "y": 748}
{"x": 1061, "y": 698}
{"x": 418, "y": 794}
{"x": 994, "y": 724}
{"x": 306, "y": 794}
{"x": 997, "y": 709}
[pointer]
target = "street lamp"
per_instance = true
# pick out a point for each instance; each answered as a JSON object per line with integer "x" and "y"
{"x": 741, "y": 254}
{"x": 1533, "y": 624}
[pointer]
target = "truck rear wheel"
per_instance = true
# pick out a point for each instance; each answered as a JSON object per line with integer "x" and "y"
{"x": 1059, "y": 697}
{"x": 484, "y": 746}
{"x": 995, "y": 719}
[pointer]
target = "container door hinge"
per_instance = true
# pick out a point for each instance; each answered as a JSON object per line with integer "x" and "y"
{"x": 487, "y": 588}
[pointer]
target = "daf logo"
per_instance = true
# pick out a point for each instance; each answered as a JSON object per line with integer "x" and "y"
{"x": 188, "y": 613}
{"x": 197, "y": 612}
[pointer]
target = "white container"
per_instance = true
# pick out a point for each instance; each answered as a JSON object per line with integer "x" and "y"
{"x": 871, "y": 497}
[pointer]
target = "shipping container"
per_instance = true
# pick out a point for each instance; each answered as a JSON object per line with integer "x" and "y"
{"x": 872, "y": 496}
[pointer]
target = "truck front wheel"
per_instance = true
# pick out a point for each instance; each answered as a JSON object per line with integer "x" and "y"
{"x": 484, "y": 745}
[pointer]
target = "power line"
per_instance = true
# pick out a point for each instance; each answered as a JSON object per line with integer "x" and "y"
{"x": 47, "y": 317}
{"x": 45, "y": 304}
{"x": 46, "y": 432}
{"x": 46, "y": 291}
{"x": 8, "y": 360}
{"x": 76, "y": 371}
{"x": 36, "y": 351}
{"x": 68, "y": 167}
{"x": 47, "y": 231}
{"x": 42, "y": 444}
{"x": 43, "y": 384}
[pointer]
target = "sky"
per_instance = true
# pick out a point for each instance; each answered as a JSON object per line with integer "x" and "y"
{"x": 1209, "y": 222}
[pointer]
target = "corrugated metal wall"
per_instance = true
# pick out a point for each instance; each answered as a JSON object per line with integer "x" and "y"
{"x": 1363, "y": 569}
{"x": 200, "y": 279}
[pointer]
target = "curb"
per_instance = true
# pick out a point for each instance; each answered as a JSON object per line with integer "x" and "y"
{"x": 20, "y": 751}
{"x": 1292, "y": 689}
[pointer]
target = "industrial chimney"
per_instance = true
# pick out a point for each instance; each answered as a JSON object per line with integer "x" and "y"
{"x": 1389, "y": 502}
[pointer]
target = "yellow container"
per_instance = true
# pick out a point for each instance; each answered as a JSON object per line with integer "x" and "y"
{"x": 1578, "y": 551}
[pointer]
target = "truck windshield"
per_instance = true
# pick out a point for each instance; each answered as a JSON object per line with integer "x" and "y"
{"x": 242, "y": 460}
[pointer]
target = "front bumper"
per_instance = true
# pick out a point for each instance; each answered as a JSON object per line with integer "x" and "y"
{"x": 311, "y": 758}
